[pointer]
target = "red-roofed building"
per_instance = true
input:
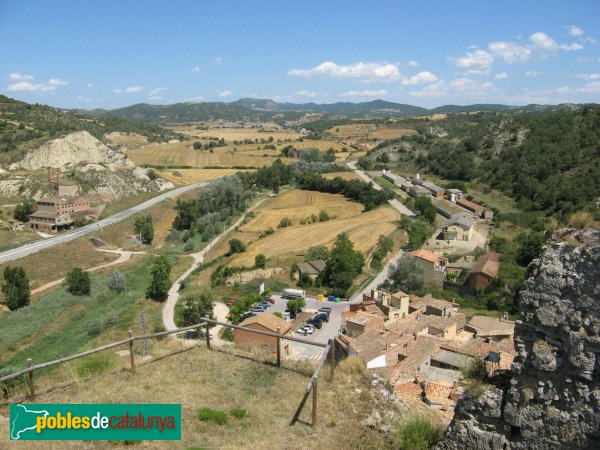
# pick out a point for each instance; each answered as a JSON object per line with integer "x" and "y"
{"x": 484, "y": 271}
{"x": 433, "y": 264}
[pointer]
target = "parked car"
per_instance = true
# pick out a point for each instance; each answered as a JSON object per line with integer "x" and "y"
{"x": 270, "y": 300}
{"x": 305, "y": 330}
{"x": 308, "y": 325}
{"x": 258, "y": 309}
{"x": 325, "y": 309}
{"x": 323, "y": 317}
{"x": 316, "y": 323}
{"x": 231, "y": 302}
{"x": 246, "y": 316}
{"x": 265, "y": 304}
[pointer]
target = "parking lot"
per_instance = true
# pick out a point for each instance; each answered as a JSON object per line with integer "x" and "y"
{"x": 329, "y": 329}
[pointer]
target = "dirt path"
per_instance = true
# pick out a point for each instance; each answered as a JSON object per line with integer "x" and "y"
{"x": 123, "y": 257}
{"x": 173, "y": 295}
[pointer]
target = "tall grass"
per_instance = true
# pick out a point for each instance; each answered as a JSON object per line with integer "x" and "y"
{"x": 418, "y": 433}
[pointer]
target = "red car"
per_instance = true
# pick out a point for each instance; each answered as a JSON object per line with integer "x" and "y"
{"x": 230, "y": 303}
{"x": 270, "y": 300}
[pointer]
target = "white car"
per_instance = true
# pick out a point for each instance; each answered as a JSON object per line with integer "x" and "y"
{"x": 305, "y": 330}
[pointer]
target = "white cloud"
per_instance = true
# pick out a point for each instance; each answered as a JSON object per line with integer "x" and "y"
{"x": 420, "y": 78}
{"x": 412, "y": 63}
{"x": 590, "y": 76}
{"x": 532, "y": 73}
{"x": 216, "y": 62}
{"x": 155, "y": 97}
{"x": 90, "y": 85}
{"x": 225, "y": 93}
{"x": 366, "y": 72}
{"x": 24, "y": 84}
{"x": 81, "y": 98}
{"x": 305, "y": 93}
{"x": 365, "y": 93}
{"x": 15, "y": 76}
{"x": 478, "y": 60}
{"x": 510, "y": 52}
{"x": 157, "y": 91}
{"x": 457, "y": 88}
{"x": 57, "y": 82}
{"x": 129, "y": 90}
{"x": 197, "y": 99}
{"x": 501, "y": 76}
{"x": 575, "y": 30}
{"x": 280, "y": 98}
{"x": 543, "y": 41}
{"x": 196, "y": 69}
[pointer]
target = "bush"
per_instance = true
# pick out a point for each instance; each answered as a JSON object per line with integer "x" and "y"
{"x": 227, "y": 334}
{"x": 477, "y": 371}
{"x": 236, "y": 246}
{"x": 195, "y": 307}
{"x": 285, "y": 222}
{"x": 581, "y": 220}
{"x": 260, "y": 261}
{"x": 353, "y": 365}
{"x": 160, "y": 273}
{"x": 117, "y": 281}
{"x": 419, "y": 434}
{"x": 240, "y": 413}
{"x": 189, "y": 246}
{"x": 212, "y": 415}
{"x": 78, "y": 282}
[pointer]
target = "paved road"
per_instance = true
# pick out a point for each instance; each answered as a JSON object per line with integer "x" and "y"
{"x": 380, "y": 278}
{"x": 394, "y": 202}
{"x": 36, "y": 246}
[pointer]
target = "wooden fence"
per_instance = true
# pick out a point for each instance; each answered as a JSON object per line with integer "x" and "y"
{"x": 312, "y": 385}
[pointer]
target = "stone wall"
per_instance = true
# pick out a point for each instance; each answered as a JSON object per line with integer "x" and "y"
{"x": 553, "y": 398}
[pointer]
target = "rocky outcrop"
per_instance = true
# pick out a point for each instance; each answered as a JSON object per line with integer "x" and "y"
{"x": 110, "y": 174}
{"x": 553, "y": 398}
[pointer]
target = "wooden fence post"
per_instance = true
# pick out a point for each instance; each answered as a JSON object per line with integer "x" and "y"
{"x": 332, "y": 357}
{"x": 31, "y": 386}
{"x": 207, "y": 336}
{"x": 314, "y": 403}
{"x": 131, "y": 357}
{"x": 278, "y": 347}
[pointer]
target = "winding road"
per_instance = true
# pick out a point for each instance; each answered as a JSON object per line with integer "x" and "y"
{"x": 36, "y": 246}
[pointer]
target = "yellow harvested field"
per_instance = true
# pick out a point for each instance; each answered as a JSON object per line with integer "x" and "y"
{"x": 296, "y": 205}
{"x": 188, "y": 176}
{"x": 392, "y": 133}
{"x": 126, "y": 140}
{"x": 342, "y": 155}
{"x": 363, "y": 229}
{"x": 182, "y": 154}
{"x": 342, "y": 175}
{"x": 320, "y": 145}
{"x": 238, "y": 134}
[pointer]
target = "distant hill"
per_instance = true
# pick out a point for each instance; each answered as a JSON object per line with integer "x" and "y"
{"x": 252, "y": 109}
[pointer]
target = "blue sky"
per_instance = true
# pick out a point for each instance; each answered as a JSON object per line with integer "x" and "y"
{"x": 107, "y": 54}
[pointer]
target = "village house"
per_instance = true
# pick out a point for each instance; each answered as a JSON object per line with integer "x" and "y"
{"x": 311, "y": 268}
{"x": 484, "y": 271}
{"x": 360, "y": 322}
{"x": 485, "y": 327}
{"x": 264, "y": 322}
{"x": 417, "y": 191}
{"x": 458, "y": 228}
{"x": 58, "y": 213}
{"x": 16, "y": 225}
{"x": 434, "y": 266}
{"x": 393, "y": 306}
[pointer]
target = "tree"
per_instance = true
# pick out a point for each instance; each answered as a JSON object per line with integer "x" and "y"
{"x": 23, "y": 210}
{"x": 236, "y": 246}
{"x": 144, "y": 228}
{"x": 295, "y": 306}
{"x": 427, "y": 210}
{"x": 16, "y": 287}
{"x": 117, "y": 281}
{"x": 260, "y": 261}
{"x": 161, "y": 283}
{"x": 531, "y": 247}
{"x": 343, "y": 265}
{"x": 189, "y": 246}
{"x": 195, "y": 307}
{"x": 197, "y": 145}
{"x": 406, "y": 275}
{"x": 316, "y": 253}
{"x": 285, "y": 222}
{"x": 78, "y": 282}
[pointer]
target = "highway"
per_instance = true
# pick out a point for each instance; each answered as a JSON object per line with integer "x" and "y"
{"x": 36, "y": 246}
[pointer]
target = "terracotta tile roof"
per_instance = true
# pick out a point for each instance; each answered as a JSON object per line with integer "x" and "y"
{"x": 269, "y": 321}
{"x": 488, "y": 264}
{"x": 426, "y": 255}
{"x": 361, "y": 318}
{"x": 408, "y": 389}
{"x": 469, "y": 204}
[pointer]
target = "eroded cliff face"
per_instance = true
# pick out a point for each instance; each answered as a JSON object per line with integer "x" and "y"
{"x": 553, "y": 399}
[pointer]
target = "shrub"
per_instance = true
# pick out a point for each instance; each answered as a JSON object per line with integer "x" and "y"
{"x": 353, "y": 365}
{"x": 117, "y": 281}
{"x": 260, "y": 261}
{"x": 94, "y": 365}
{"x": 285, "y": 222}
{"x": 16, "y": 287}
{"x": 227, "y": 334}
{"x": 477, "y": 370}
{"x": 78, "y": 282}
{"x": 240, "y": 413}
{"x": 236, "y": 246}
{"x": 581, "y": 220}
{"x": 160, "y": 273}
{"x": 213, "y": 415}
{"x": 266, "y": 233}
{"x": 189, "y": 246}
{"x": 419, "y": 434}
